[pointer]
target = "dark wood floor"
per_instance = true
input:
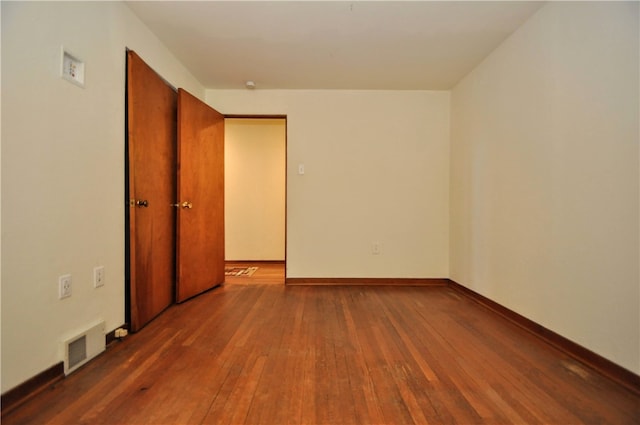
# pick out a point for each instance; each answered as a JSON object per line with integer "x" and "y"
{"x": 263, "y": 353}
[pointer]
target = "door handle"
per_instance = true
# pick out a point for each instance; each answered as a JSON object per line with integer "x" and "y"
{"x": 185, "y": 204}
{"x": 139, "y": 203}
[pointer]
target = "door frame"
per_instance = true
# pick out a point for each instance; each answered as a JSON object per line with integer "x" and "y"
{"x": 286, "y": 163}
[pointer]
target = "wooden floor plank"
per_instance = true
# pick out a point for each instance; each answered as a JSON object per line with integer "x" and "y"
{"x": 366, "y": 408}
{"x": 257, "y": 352}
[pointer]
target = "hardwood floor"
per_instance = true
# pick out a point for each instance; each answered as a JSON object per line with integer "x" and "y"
{"x": 268, "y": 273}
{"x": 268, "y": 354}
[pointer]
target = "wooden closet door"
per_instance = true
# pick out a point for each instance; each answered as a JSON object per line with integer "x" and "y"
{"x": 200, "y": 231}
{"x": 151, "y": 153}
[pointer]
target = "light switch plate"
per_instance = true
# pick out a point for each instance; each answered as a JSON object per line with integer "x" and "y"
{"x": 72, "y": 68}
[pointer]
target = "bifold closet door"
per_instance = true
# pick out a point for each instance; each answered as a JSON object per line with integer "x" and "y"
{"x": 151, "y": 153}
{"x": 200, "y": 231}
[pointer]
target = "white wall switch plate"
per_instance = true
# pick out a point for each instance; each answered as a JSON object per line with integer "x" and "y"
{"x": 72, "y": 68}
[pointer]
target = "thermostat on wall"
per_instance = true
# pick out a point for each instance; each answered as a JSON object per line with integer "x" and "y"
{"x": 72, "y": 68}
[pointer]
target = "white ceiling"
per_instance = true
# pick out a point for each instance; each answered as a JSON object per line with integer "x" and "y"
{"x": 394, "y": 45}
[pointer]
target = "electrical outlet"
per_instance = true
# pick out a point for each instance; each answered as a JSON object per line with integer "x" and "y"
{"x": 375, "y": 248}
{"x": 98, "y": 276}
{"x": 64, "y": 286}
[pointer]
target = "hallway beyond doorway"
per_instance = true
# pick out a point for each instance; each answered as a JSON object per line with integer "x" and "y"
{"x": 268, "y": 273}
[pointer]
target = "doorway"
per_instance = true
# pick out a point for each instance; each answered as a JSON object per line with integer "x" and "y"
{"x": 174, "y": 190}
{"x": 255, "y": 189}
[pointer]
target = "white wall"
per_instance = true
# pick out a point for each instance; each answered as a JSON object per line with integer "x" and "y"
{"x": 544, "y": 176}
{"x": 254, "y": 180}
{"x": 63, "y": 172}
{"x": 377, "y": 169}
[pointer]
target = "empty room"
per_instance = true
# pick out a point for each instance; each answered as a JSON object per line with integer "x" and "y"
{"x": 458, "y": 225}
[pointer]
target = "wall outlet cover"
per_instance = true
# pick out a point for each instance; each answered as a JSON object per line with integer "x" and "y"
{"x": 64, "y": 286}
